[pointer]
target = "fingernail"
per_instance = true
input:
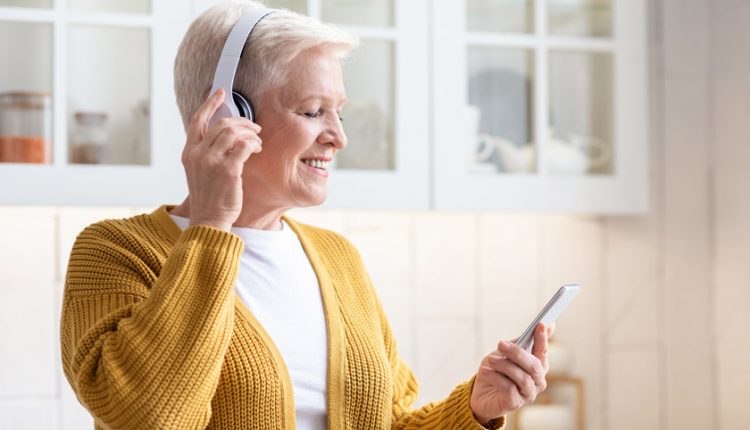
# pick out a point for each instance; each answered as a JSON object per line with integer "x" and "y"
{"x": 504, "y": 344}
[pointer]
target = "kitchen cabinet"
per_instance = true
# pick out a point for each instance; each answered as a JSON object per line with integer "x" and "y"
{"x": 523, "y": 105}
{"x": 540, "y": 105}
{"x": 103, "y": 68}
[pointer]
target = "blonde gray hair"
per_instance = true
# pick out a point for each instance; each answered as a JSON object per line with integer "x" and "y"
{"x": 276, "y": 40}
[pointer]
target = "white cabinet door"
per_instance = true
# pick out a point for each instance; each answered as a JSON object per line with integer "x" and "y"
{"x": 540, "y": 105}
{"x": 110, "y": 126}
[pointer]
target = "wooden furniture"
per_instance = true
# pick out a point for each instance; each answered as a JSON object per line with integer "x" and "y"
{"x": 545, "y": 399}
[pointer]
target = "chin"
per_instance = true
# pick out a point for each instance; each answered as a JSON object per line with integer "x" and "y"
{"x": 308, "y": 198}
{"x": 317, "y": 201}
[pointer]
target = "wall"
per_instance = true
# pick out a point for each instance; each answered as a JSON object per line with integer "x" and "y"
{"x": 660, "y": 333}
{"x": 453, "y": 285}
{"x": 730, "y": 134}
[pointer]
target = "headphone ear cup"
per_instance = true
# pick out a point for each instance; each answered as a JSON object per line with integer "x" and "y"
{"x": 243, "y": 106}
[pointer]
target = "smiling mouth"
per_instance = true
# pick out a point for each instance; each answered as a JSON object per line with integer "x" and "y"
{"x": 318, "y": 164}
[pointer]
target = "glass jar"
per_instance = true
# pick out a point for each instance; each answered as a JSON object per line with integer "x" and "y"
{"x": 26, "y": 127}
{"x": 89, "y": 138}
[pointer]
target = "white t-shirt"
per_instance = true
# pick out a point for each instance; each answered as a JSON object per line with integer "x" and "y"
{"x": 278, "y": 285}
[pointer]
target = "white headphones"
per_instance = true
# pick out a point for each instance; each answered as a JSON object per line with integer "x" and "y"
{"x": 237, "y": 105}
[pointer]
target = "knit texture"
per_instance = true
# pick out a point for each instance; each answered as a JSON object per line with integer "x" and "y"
{"x": 154, "y": 337}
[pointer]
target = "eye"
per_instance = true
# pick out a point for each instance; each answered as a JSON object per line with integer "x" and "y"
{"x": 319, "y": 113}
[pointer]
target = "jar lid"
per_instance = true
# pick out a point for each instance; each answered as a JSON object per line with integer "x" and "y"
{"x": 26, "y": 94}
{"x": 25, "y": 100}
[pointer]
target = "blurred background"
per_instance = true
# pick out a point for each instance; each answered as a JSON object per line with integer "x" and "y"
{"x": 497, "y": 150}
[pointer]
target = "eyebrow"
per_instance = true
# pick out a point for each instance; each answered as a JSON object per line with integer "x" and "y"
{"x": 323, "y": 97}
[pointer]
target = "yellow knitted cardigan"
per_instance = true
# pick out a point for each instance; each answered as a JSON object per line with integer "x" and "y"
{"x": 154, "y": 337}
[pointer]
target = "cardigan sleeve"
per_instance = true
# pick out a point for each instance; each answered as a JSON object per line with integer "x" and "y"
{"x": 453, "y": 412}
{"x": 143, "y": 347}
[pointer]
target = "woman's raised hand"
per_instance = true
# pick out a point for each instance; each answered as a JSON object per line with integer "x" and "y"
{"x": 213, "y": 159}
{"x": 511, "y": 377}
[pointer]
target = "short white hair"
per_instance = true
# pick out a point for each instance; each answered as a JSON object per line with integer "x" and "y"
{"x": 276, "y": 40}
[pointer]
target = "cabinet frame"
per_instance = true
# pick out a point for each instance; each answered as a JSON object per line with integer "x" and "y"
{"x": 60, "y": 183}
{"x": 625, "y": 191}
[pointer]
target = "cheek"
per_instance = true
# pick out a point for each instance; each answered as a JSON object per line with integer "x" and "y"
{"x": 278, "y": 160}
{"x": 283, "y": 147}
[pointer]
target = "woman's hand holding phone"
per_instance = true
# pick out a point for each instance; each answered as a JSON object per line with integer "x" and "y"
{"x": 515, "y": 373}
{"x": 214, "y": 159}
{"x": 511, "y": 377}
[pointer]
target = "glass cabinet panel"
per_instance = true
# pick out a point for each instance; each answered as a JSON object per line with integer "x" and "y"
{"x": 26, "y": 3}
{"x": 580, "y": 17}
{"x": 499, "y": 114}
{"x": 108, "y": 119}
{"x": 81, "y": 81}
{"x": 299, "y": 6}
{"x": 113, "y": 6}
{"x": 377, "y": 13}
{"x": 505, "y": 16}
{"x": 369, "y": 112}
{"x": 26, "y": 92}
{"x": 580, "y": 113}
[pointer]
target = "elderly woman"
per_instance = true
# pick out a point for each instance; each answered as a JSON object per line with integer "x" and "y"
{"x": 223, "y": 313}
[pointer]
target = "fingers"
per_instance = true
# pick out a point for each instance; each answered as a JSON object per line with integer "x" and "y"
{"x": 199, "y": 121}
{"x": 229, "y": 138}
{"x": 541, "y": 344}
{"x": 514, "y": 398}
{"x": 525, "y": 384}
{"x": 550, "y": 330}
{"x": 236, "y": 136}
{"x": 243, "y": 148}
{"x": 522, "y": 358}
{"x": 526, "y": 361}
{"x": 234, "y": 125}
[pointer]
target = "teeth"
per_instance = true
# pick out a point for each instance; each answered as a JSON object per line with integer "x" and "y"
{"x": 318, "y": 164}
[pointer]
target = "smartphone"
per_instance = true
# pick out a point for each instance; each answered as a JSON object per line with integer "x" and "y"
{"x": 549, "y": 313}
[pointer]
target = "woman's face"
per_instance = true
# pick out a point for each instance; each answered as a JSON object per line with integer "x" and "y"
{"x": 301, "y": 132}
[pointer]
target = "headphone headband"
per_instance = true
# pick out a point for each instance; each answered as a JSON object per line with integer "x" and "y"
{"x": 230, "y": 58}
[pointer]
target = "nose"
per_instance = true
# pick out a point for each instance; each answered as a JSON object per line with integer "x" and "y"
{"x": 333, "y": 134}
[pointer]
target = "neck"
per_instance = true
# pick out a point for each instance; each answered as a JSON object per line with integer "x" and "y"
{"x": 252, "y": 215}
